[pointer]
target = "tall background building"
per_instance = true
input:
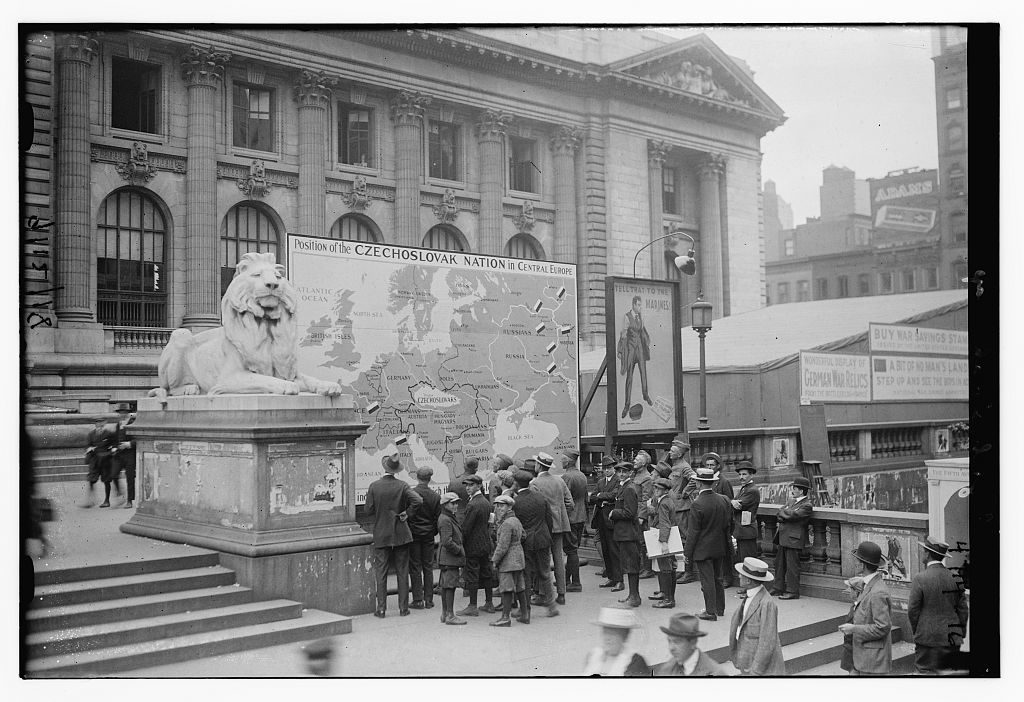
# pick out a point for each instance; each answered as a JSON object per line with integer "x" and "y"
{"x": 949, "y": 48}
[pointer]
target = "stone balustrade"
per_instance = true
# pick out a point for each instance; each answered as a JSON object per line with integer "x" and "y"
{"x": 140, "y": 339}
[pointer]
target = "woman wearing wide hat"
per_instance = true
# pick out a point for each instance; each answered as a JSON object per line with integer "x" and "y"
{"x": 754, "y": 642}
{"x": 614, "y": 656}
{"x": 871, "y": 621}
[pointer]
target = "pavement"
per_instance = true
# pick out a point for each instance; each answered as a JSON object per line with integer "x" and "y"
{"x": 417, "y": 645}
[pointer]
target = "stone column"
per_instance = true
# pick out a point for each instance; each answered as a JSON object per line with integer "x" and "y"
{"x": 73, "y": 237}
{"x": 564, "y": 144}
{"x": 407, "y": 113}
{"x": 491, "y": 131}
{"x": 656, "y": 153}
{"x": 203, "y": 71}
{"x": 313, "y": 91}
{"x": 709, "y": 256}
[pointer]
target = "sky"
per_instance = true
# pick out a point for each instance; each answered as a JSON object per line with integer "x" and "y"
{"x": 863, "y": 98}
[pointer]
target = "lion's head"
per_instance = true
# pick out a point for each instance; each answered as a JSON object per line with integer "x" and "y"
{"x": 257, "y": 314}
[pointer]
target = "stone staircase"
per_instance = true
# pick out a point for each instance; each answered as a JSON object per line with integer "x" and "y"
{"x": 99, "y": 620}
{"x": 817, "y": 648}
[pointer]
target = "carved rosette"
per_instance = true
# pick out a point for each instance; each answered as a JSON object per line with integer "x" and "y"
{"x": 566, "y": 140}
{"x": 203, "y": 65}
{"x": 494, "y": 123}
{"x": 657, "y": 151}
{"x": 408, "y": 107}
{"x": 359, "y": 197}
{"x": 256, "y": 184}
{"x": 77, "y": 47}
{"x": 447, "y": 211}
{"x": 314, "y": 89}
{"x": 525, "y": 220}
{"x": 712, "y": 165}
{"x": 137, "y": 170}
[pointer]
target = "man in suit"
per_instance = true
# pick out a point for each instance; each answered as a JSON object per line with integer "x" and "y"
{"x": 603, "y": 499}
{"x": 450, "y": 556}
{"x": 754, "y": 642}
{"x": 747, "y": 500}
{"x": 723, "y": 487}
{"x": 871, "y": 620}
{"x": 663, "y": 518}
{"x": 791, "y": 537}
{"x": 533, "y": 512}
{"x": 684, "y": 488}
{"x": 577, "y": 484}
{"x": 556, "y": 492}
{"x": 709, "y": 525}
{"x": 458, "y": 486}
{"x": 644, "y": 483}
{"x": 634, "y": 349}
{"x": 390, "y": 502}
{"x": 937, "y": 611}
{"x": 476, "y": 540}
{"x": 626, "y": 532}
{"x": 423, "y": 525}
{"x": 683, "y": 632}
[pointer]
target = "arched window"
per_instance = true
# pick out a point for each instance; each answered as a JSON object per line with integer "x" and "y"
{"x": 131, "y": 289}
{"x": 247, "y": 228}
{"x": 354, "y": 227}
{"x": 524, "y": 246}
{"x": 445, "y": 238}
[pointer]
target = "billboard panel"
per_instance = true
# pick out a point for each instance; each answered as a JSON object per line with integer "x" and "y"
{"x": 834, "y": 377}
{"x": 918, "y": 378}
{"x": 450, "y": 355}
{"x": 896, "y": 338}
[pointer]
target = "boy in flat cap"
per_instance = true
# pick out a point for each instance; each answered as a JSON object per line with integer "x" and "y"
{"x": 577, "y": 484}
{"x": 451, "y": 556}
{"x": 663, "y": 518}
{"x": 509, "y": 560}
{"x": 476, "y": 539}
{"x": 390, "y": 502}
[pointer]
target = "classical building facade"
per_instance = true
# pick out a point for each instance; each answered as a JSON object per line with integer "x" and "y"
{"x": 153, "y": 159}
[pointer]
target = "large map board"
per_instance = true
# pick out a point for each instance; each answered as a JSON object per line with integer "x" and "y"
{"x": 450, "y": 355}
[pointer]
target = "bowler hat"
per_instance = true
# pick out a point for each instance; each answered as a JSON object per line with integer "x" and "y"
{"x": 802, "y": 482}
{"x": 390, "y": 462}
{"x": 617, "y": 618}
{"x": 608, "y": 461}
{"x": 683, "y": 624}
{"x": 545, "y": 460}
{"x": 745, "y": 465}
{"x": 449, "y": 497}
{"x": 939, "y": 548}
{"x": 636, "y": 411}
{"x": 706, "y": 475}
{"x": 663, "y": 483}
{"x": 755, "y": 569}
{"x": 869, "y": 552}
{"x": 504, "y": 460}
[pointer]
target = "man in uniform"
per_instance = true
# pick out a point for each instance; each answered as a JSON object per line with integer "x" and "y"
{"x": 390, "y": 502}
{"x": 791, "y": 537}
{"x": 937, "y": 611}
{"x": 708, "y": 529}
{"x": 603, "y": 499}
{"x": 684, "y": 488}
{"x": 634, "y": 349}
{"x": 626, "y": 532}
{"x": 644, "y": 483}
{"x": 577, "y": 484}
{"x": 556, "y": 492}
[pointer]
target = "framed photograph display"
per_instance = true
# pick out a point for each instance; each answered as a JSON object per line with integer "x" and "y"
{"x": 644, "y": 356}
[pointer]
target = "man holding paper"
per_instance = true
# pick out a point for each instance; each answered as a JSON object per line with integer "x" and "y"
{"x": 663, "y": 522}
{"x": 745, "y": 505}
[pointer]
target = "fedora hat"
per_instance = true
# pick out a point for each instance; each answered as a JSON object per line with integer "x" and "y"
{"x": 608, "y": 461}
{"x": 624, "y": 465}
{"x": 868, "y": 552}
{"x": 390, "y": 462}
{"x": 802, "y": 482}
{"x": 939, "y": 548}
{"x": 683, "y": 624}
{"x": 530, "y": 464}
{"x": 617, "y": 618}
{"x": 545, "y": 460}
{"x": 755, "y": 569}
{"x": 745, "y": 465}
{"x": 663, "y": 469}
{"x": 449, "y": 497}
{"x": 706, "y": 475}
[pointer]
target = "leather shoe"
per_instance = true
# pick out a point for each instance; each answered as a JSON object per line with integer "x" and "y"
{"x": 721, "y": 614}
{"x": 574, "y": 587}
{"x": 665, "y": 604}
{"x": 417, "y": 604}
{"x": 470, "y": 611}
{"x": 775, "y": 592}
{"x": 707, "y": 617}
{"x": 379, "y": 614}
{"x": 789, "y": 596}
{"x": 523, "y": 620}
{"x": 619, "y": 587}
{"x": 608, "y": 583}
{"x": 631, "y": 602}
{"x": 488, "y": 607}
{"x": 686, "y": 579}
{"x": 646, "y": 574}
{"x": 502, "y": 622}
{"x": 560, "y": 600}
{"x": 429, "y": 604}
{"x": 552, "y": 611}
{"x": 403, "y": 613}
{"x": 454, "y": 621}
{"x": 656, "y": 596}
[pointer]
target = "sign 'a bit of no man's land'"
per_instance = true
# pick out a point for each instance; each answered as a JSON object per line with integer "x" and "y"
{"x": 450, "y": 355}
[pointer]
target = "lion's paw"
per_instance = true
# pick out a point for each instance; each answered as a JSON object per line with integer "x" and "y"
{"x": 329, "y": 389}
{"x": 190, "y": 389}
{"x": 289, "y": 388}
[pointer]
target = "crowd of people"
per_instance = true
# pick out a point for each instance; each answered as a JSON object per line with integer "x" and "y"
{"x": 516, "y": 539}
{"x": 110, "y": 452}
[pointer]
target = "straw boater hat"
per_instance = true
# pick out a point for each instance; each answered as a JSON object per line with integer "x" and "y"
{"x": 545, "y": 461}
{"x": 868, "y": 552}
{"x": 705, "y": 475}
{"x": 939, "y": 548}
{"x": 449, "y": 497}
{"x": 616, "y": 618}
{"x": 683, "y": 624}
{"x": 391, "y": 463}
{"x": 755, "y": 569}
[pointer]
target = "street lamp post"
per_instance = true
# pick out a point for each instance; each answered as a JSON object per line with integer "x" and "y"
{"x": 700, "y": 319}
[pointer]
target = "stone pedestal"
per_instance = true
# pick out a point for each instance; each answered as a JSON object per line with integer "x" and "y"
{"x": 266, "y": 480}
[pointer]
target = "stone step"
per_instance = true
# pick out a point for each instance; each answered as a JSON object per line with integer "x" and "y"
{"x": 131, "y": 586}
{"x": 70, "y": 616}
{"x": 74, "y": 640}
{"x": 791, "y": 636}
{"x": 902, "y": 662}
{"x": 102, "y": 662}
{"x": 117, "y": 569}
{"x": 810, "y": 653}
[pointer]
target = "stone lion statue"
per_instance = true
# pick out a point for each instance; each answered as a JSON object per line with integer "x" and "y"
{"x": 254, "y": 352}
